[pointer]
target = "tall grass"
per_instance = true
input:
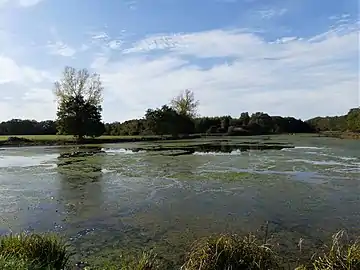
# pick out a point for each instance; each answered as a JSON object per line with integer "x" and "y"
{"x": 33, "y": 251}
{"x": 342, "y": 254}
{"x": 230, "y": 252}
{"x": 222, "y": 252}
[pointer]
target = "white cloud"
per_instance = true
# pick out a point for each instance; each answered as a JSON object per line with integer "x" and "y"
{"x": 100, "y": 36}
{"x": 39, "y": 95}
{"x": 20, "y": 95}
{"x": 28, "y": 3}
{"x": 115, "y": 44}
{"x": 62, "y": 49}
{"x": 11, "y": 72}
{"x": 21, "y": 3}
{"x": 3, "y": 2}
{"x": 271, "y": 12}
{"x": 230, "y": 71}
{"x": 293, "y": 76}
{"x": 84, "y": 47}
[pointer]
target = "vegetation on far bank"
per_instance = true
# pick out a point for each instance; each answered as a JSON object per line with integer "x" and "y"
{"x": 218, "y": 252}
{"x": 79, "y": 95}
{"x": 344, "y": 123}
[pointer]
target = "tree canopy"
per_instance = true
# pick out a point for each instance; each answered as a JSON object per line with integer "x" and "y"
{"x": 185, "y": 104}
{"x": 79, "y": 97}
{"x": 353, "y": 120}
{"x": 348, "y": 122}
{"x": 165, "y": 120}
{"x": 79, "y": 83}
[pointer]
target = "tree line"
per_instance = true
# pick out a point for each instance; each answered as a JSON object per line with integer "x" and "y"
{"x": 79, "y": 95}
{"x": 348, "y": 122}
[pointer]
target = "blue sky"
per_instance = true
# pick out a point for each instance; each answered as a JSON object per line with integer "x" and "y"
{"x": 295, "y": 58}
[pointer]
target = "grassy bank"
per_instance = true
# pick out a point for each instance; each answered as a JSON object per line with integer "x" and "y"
{"x": 341, "y": 135}
{"x": 47, "y": 140}
{"x": 25, "y": 252}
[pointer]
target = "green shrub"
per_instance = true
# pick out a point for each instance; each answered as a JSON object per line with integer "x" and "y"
{"x": 230, "y": 252}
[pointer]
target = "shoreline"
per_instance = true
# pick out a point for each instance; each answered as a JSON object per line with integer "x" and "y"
{"x": 218, "y": 251}
{"x": 24, "y": 141}
{"x": 341, "y": 135}
{"x": 21, "y": 141}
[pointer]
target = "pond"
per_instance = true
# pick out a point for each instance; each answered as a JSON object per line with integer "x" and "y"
{"x": 167, "y": 194}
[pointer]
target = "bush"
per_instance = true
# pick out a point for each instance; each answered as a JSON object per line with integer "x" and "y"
{"x": 33, "y": 251}
{"x": 230, "y": 252}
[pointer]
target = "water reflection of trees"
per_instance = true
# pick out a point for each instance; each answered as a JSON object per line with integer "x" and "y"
{"x": 80, "y": 190}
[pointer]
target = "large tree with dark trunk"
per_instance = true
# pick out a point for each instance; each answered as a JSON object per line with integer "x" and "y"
{"x": 79, "y": 97}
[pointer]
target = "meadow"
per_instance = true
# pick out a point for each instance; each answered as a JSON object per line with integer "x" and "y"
{"x": 63, "y": 137}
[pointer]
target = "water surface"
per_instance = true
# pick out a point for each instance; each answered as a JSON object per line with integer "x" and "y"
{"x": 125, "y": 195}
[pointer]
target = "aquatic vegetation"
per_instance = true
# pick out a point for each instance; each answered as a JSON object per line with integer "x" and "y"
{"x": 223, "y": 176}
{"x": 230, "y": 252}
{"x": 215, "y": 146}
{"x": 33, "y": 251}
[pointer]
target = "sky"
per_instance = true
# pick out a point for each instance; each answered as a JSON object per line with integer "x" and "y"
{"x": 285, "y": 57}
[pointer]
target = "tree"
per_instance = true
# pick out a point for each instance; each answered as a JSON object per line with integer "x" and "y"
{"x": 79, "y": 118}
{"x": 79, "y": 83}
{"x": 261, "y": 123}
{"x": 166, "y": 120}
{"x": 185, "y": 104}
{"x": 244, "y": 118}
{"x": 353, "y": 120}
{"x": 79, "y": 96}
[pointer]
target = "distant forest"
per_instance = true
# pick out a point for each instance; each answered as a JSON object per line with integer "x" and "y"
{"x": 164, "y": 120}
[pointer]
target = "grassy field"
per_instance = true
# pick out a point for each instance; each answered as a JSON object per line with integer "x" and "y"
{"x": 61, "y": 137}
{"x": 47, "y": 140}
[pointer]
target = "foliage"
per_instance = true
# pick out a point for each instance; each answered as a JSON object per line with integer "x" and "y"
{"x": 128, "y": 128}
{"x": 185, "y": 104}
{"x": 79, "y": 118}
{"x": 230, "y": 252}
{"x": 161, "y": 121}
{"x": 79, "y": 112}
{"x": 348, "y": 122}
{"x": 165, "y": 120}
{"x": 27, "y": 127}
{"x": 353, "y": 120}
{"x": 260, "y": 124}
{"x": 79, "y": 83}
{"x": 335, "y": 123}
{"x": 13, "y": 263}
{"x": 33, "y": 251}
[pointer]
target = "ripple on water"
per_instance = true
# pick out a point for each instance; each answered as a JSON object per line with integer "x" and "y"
{"x": 8, "y": 161}
{"x": 114, "y": 151}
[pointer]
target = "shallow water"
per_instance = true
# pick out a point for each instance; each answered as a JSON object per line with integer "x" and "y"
{"x": 118, "y": 197}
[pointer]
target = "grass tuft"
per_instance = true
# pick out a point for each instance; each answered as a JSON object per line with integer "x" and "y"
{"x": 230, "y": 252}
{"x": 145, "y": 261}
{"x": 342, "y": 254}
{"x": 33, "y": 251}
